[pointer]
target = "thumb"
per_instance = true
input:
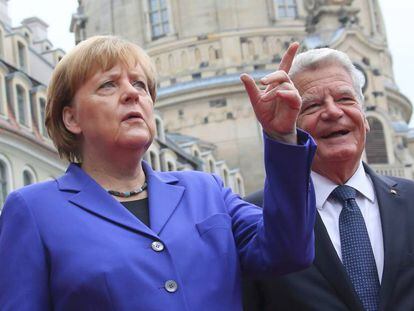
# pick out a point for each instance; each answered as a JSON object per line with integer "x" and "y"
{"x": 251, "y": 88}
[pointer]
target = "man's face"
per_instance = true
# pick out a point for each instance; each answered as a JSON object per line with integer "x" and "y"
{"x": 332, "y": 114}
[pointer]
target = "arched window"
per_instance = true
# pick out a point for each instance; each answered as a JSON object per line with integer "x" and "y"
{"x": 158, "y": 127}
{"x": 226, "y": 177}
{"x": 375, "y": 147}
{"x": 1, "y": 43}
{"x": 3, "y": 102}
{"x": 286, "y": 9}
{"x": 170, "y": 166}
{"x": 3, "y": 183}
{"x": 159, "y": 18}
{"x": 239, "y": 185}
{"x": 153, "y": 160}
{"x": 160, "y": 133}
{"x": 21, "y": 50}
{"x": 21, "y": 105}
{"x": 42, "y": 116}
{"x": 197, "y": 56}
{"x": 28, "y": 178}
{"x": 211, "y": 166}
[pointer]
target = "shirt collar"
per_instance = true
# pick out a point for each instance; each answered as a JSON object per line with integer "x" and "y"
{"x": 359, "y": 181}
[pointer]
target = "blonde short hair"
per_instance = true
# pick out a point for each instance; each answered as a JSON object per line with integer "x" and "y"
{"x": 99, "y": 53}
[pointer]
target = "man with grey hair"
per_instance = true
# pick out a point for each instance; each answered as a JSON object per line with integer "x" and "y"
{"x": 364, "y": 232}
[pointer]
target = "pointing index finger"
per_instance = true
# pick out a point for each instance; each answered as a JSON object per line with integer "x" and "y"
{"x": 288, "y": 57}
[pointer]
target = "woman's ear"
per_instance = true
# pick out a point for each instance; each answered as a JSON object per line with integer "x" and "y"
{"x": 70, "y": 120}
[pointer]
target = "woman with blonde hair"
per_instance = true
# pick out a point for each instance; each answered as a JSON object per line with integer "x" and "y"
{"x": 112, "y": 234}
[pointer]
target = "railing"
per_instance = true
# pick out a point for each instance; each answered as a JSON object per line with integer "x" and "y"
{"x": 392, "y": 170}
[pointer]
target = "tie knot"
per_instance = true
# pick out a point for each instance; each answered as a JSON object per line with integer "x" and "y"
{"x": 344, "y": 193}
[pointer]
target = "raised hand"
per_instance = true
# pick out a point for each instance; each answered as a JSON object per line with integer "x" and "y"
{"x": 277, "y": 107}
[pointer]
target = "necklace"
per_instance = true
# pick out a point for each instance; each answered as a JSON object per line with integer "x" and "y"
{"x": 128, "y": 194}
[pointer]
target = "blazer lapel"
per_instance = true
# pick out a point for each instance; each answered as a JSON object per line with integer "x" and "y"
{"x": 392, "y": 206}
{"x": 330, "y": 266}
{"x": 164, "y": 196}
{"x": 91, "y": 197}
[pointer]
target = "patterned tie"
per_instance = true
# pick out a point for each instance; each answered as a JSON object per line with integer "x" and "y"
{"x": 357, "y": 255}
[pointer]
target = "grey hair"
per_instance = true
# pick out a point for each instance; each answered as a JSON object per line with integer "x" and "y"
{"x": 316, "y": 58}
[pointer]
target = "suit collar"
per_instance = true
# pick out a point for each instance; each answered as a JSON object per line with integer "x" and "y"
{"x": 359, "y": 181}
{"x": 392, "y": 205}
{"x": 163, "y": 196}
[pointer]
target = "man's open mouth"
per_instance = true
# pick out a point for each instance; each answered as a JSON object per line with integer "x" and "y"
{"x": 336, "y": 134}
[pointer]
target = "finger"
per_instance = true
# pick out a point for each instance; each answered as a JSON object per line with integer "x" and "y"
{"x": 251, "y": 88}
{"x": 288, "y": 57}
{"x": 276, "y": 77}
{"x": 291, "y": 97}
{"x": 273, "y": 89}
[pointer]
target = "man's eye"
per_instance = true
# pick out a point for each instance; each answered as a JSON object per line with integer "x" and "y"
{"x": 346, "y": 99}
{"x": 107, "y": 85}
{"x": 310, "y": 108}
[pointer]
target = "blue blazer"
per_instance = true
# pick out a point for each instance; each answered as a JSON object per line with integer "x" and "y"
{"x": 68, "y": 245}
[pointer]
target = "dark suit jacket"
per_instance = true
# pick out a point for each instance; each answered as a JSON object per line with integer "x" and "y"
{"x": 325, "y": 285}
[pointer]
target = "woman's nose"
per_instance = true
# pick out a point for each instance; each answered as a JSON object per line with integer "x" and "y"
{"x": 130, "y": 93}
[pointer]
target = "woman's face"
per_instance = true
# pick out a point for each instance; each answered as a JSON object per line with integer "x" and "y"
{"x": 112, "y": 110}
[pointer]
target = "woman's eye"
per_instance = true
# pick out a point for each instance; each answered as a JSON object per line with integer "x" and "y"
{"x": 139, "y": 84}
{"x": 107, "y": 85}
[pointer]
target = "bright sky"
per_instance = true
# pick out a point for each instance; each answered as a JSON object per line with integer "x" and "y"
{"x": 397, "y": 15}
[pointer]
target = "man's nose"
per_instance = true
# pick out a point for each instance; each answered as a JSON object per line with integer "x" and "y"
{"x": 332, "y": 110}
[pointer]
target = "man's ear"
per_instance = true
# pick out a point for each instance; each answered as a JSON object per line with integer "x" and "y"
{"x": 366, "y": 123}
{"x": 70, "y": 120}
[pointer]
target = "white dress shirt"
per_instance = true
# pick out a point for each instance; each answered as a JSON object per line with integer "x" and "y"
{"x": 329, "y": 210}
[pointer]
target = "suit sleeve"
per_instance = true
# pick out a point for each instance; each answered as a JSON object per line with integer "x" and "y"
{"x": 23, "y": 267}
{"x": 279, "y": 240}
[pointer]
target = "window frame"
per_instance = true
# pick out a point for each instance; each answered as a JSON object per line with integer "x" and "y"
{"x": 3, "y": 90}
{"x": 164, "y": 18}
{"x": 19, "y": 78}
{"x": 8, "y": 177}
{"x": 31, "y": 172}
{"x": 282, "y": 5}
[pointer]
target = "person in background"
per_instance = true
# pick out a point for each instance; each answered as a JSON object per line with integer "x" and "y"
{"x": 112, "y": 234}
{"x": 364, "y": 231}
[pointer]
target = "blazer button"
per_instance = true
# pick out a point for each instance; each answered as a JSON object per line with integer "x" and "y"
{"x": 157, "y": 246}
{"x": 171, "y": 286}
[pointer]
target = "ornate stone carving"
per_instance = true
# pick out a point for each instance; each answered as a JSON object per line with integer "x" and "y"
{"x": 318, "y": 9}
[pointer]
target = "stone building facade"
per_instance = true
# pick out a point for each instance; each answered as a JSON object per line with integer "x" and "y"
{"x": 27, "y": 155}
{"x": 201, "y": 47}
{"x": 27, "y": 58}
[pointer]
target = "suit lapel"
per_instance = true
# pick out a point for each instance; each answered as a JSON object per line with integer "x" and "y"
{"x": 392, "y": 210}
{"x": 392, "y": 206}
{"x": 164, "y": 196}
{"x": 330, "y": 266}
{"x": 91, "y": 197}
